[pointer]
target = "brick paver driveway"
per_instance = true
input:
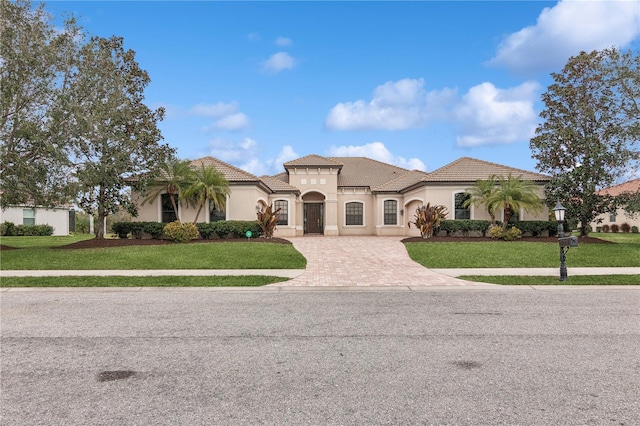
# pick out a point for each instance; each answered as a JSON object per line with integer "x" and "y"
{"x": 362, "y": 261}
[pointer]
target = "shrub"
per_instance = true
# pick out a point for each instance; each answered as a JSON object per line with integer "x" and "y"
{"x": 427, "y": 219}
{"x": 7, "y": 229}
{"x": 121, "y": 229}
{"x": 605, "y": 228}
{"x": 634, "y": 229}
{"x": 598, "y": 228}
{"x": 153, "y": 228}
{"x": 464, "y": 226}
{"x": 615, "y": 227}
{"x": 33, "y": 230}
{"x": 511, "y": 234}
{"x": 181, "y": 232}
{"x": 495, "y": 232}
{"x": 625, "y": 227}
{"x": 537, "y": 227}
{"x": 267, "y": 219}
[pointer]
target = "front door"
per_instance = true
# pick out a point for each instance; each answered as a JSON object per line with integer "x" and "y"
{"x": 313, "y": 218}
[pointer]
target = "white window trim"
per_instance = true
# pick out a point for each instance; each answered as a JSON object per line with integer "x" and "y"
{"x": 364, "y": 215}
{"x": 397, "y": 212}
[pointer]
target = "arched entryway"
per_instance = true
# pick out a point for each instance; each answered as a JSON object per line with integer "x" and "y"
{"x": 313, "y": 213}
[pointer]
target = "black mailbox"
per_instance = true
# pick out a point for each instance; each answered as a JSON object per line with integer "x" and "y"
{"x": 568, "y": 242}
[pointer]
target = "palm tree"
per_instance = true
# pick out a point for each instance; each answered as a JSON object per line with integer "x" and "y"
{"x": 481, "y": 193}
{"x": 513, "y": 194}
{"x": 174, "y": 177}
{"x": 207, "y": 184}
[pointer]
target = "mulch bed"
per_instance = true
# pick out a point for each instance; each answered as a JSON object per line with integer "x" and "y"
{"x": 99, "y": 243}
{"x": 95, "y": 243}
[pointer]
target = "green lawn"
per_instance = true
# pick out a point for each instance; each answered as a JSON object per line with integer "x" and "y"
{"x": 618, "y": 237}
{"x": 163, "y": 281}
{"x": 53, "y": 241}
{"x": 572, "y": 280}
{"x": 224, "y": 255}
{"x": 493, "y": 254}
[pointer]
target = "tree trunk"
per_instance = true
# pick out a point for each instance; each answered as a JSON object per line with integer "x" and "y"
{"x": 100, "y": 224}
{"x": 198, "y": 213}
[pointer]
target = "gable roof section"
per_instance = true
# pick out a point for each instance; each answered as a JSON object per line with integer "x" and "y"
{"x": 277, "y": 184}
{"x": 313, "y": 161}
{"x": 230, "y": 173}
{"x": 630, "y": 186}
{"x": 402, "y": 182}
{"x": 364, "y": 172}
{"x": 468, "y": 169}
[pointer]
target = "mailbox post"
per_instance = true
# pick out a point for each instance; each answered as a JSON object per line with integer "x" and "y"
{"x": 558, "y": 211}
{"x": 563, "y": 242}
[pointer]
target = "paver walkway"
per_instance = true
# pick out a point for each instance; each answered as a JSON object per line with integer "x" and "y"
{"x": 363, "y": 261}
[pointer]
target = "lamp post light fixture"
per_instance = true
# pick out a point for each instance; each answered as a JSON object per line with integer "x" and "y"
{"x": 559, "y": 211}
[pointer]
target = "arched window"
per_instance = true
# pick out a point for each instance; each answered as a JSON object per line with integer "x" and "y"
{"x": 390, "y": 212}
{"x": 354, "y": 213}
{"x": 460, "y": 211}
{"x": 283, "y": 214}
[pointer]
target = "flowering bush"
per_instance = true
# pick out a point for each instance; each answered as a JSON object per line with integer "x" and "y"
{"x": 181, "y": 232}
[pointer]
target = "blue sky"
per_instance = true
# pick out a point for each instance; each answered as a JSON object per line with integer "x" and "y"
{"x": 416, "y": 84}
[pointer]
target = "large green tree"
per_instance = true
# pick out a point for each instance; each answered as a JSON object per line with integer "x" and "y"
{"x": 113, "y": 135}
{"x": 590, "y": 133}
{"x": 35, "y": 68}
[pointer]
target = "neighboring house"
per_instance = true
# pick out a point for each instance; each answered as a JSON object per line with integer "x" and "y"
{"x": 620, "y": 216}
{"x": 345, "y": 195}
{"x": 60, "y": 218}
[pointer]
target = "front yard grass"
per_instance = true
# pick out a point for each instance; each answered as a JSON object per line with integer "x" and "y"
{"x": 520, "y": 254}
{"x": 161, "y": 281}
{"x": 222, "y": 255}
{"x": 572, "y": 280}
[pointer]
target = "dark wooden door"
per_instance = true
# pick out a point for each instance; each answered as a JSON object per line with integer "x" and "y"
{"x": 313, "y": 218}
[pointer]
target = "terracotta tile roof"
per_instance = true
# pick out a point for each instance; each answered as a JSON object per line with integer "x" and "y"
{"x": 468, "y": 169}
{"x": 365, "y": 172}
{"x": 313, "y": 161}
{"x": 630, "y": 186}
{"x": 278, "y": 184}
{"x": 401, "y": 182}
{"x": 230, "y": 173}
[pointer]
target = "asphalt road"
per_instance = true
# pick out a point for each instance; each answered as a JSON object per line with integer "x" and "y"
{"x": 437, "y": 356}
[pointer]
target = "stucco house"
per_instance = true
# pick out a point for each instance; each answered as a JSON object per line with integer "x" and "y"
{"x": 345, "y": 195}
{"x": 620, "y": 216}
{"x": 61, "y": 218}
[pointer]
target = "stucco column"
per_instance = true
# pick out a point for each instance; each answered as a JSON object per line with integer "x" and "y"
{"x": 331, "y": 215}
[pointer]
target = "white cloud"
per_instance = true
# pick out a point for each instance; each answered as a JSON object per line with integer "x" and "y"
{"x": 214, "y": 110}
{"x": 376, "y": 151}
{"x": 286, "y": 154}
{"x": 399, "y": 105}
{"x": 253, "y": 37}
{"x": 233, "y": 122}
{"x": 284, "y": 41}
{"x": 566, "y": 29}
{"x": 279, "y": 62}
{"x": 233, "y": 151}
{"x": 488, "y": 115}
{"x": 245, "y": 154}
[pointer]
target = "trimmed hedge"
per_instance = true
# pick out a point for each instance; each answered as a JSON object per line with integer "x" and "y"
{"x": 533, "y": 227}
{"x": 464, "y": 226}
{"x": 9, "y": 229}
{"x": 220, "y": 229}
{"x": 229, "y": 229}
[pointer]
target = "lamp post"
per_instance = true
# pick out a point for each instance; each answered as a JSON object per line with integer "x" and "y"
{"x": 559, "y": 211}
